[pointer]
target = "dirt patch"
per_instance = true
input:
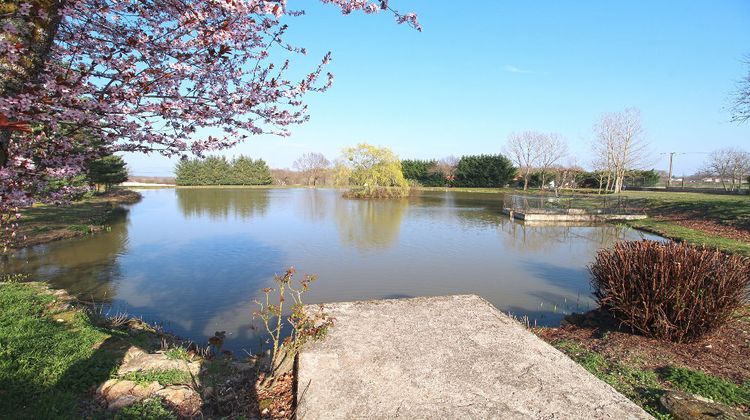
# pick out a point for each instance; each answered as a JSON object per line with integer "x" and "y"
{"x": 238, "y": 392}
{"x": 725, "y": 353}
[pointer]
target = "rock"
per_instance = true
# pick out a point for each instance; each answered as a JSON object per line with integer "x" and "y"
{"x": 143, "y": 391}
{"x": 103, "y": 388}
{"x": 123, "y": 401}
{"x": 185, "y": 400}
{"x": 684, "y": 406}
{"x": 119, "y": 389}
{"x": 136, "y": 359}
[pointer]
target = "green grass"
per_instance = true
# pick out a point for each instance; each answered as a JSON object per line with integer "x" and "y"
{"x": 164, "y": 377}
{"x": 46, "y": 365}
{"x": 147, "y": 409}
{"x": 178, "y": 353}
{"x": 708, "y": 386}
{"x": 645, "y": 387}
{"x": 640, "y": 386}
{"x": 78, "y": 228}
{"x": 691, "y": 236}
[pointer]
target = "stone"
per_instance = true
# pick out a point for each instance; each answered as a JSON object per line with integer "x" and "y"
{"x": 119, "y": 389}
{"x": 185, "y": 400}
{"x": 122, "y": 401}
{"x": 685, "y": 406}
{"x": 136, "y": 359}
{"x": 443, "y": 357}
{"x": 144, "y": 391}
{"x": 103, "y": 388}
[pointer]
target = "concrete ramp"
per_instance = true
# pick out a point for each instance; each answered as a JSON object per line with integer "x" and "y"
{"x": 444, "y": 357}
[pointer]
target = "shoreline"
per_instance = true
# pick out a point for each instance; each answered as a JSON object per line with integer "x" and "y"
{"x": 44, "y": 223}
{"x": 102, "y": 366}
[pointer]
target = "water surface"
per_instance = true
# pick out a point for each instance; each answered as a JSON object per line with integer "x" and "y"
{"x": 193, "y": 260}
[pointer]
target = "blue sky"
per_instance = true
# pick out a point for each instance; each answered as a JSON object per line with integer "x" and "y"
{"x": 484, "y": 69}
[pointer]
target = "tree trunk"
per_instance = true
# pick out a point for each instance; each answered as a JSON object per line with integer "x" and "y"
{"x": 37, "y": 36}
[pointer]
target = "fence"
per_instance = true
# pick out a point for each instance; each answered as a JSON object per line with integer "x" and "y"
{"x": 571, "y": 204}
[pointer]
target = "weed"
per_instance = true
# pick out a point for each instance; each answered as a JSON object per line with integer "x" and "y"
{"x": 164, "y": 377}
{"x": 304, "y": 326}
{"x": 178, "y": 353}
{"x": 640, "y": 386}
{"x": 80, "y": 228}
{"x": 708, "y": 386}
{"x": 151, "y": 408}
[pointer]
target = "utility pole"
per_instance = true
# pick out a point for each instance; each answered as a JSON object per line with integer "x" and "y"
{"x": 669, "y": 178}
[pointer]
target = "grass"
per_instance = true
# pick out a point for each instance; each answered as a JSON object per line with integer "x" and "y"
{"x": 147, "y": 409}
{"x": 51, "y": 358}
{"x": 178, "y": 353}
{"x": 164, "y": 377}
{"x": 43, "y": 223}
{"x": 640, "y": 386}
{"x": 645, "y": 387}
{"x": 46, "y": 365}
{"x": 691, "y": 236}
{"x": 708, "y": 386}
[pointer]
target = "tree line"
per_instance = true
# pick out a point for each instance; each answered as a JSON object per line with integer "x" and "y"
{"x": 217, "y": 170}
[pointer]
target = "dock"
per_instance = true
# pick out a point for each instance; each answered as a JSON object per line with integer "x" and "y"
{"x": 444, "y": 357}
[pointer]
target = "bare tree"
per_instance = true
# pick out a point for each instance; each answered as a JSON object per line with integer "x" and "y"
{"x": 619, "y": 145}
{"x": 730, "y": 165}
{"x": 552, "y": 149}
{"x": 525, "y": 150}
{"x": 741, "y": 101}
{"x": 314, "y": 166}
{"x": 447, "y": 167}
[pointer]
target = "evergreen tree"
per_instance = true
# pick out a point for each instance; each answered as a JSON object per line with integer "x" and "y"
{"x": 108, "y": 170}
{"x": 490, "y": 171}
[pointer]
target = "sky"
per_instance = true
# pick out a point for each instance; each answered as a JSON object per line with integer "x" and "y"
{"x": 481, "y": 70}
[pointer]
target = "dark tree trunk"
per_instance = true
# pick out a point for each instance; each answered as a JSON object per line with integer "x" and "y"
{"x": 38, "y": 37}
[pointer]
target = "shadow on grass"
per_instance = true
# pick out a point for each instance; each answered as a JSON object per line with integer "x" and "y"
{"x": 40, "y": 393}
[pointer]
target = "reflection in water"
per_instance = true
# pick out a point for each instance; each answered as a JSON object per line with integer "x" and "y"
{"x": 219, "y": 203}
{"x": 83, "y": 267}
{"x": 369, "y": 224}
{"x": 193, "y": 260}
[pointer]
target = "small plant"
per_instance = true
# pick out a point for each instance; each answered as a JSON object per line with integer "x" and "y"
{"x": 668, "y": 290}
{"x": 13, "y": 278}
{"x": 165, "y": 377}
{"x": 178, "y": 353}
{"x": 708, "y": 386}
{"x": 304, "y": 326}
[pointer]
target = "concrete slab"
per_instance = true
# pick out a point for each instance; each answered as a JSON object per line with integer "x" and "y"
{"x": 444, "y": 357}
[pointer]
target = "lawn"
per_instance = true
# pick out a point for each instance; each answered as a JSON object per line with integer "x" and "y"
{"x": 712, "y": 220}
{"x": 49, "y": 356}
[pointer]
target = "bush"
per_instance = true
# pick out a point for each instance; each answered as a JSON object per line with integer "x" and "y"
{"x": 670, "y": 291}
{"x": 490, "y": 171}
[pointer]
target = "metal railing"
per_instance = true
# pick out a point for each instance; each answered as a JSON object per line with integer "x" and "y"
{"x": 571, "y": 204}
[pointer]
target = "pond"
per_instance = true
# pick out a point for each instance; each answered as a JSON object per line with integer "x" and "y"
{"x": 194, "y": 259}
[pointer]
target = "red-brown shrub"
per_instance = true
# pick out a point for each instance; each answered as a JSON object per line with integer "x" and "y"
{"x": 668, "y": 290}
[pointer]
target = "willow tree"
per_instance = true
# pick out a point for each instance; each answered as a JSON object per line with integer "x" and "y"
{"x": 371, "y": 172}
